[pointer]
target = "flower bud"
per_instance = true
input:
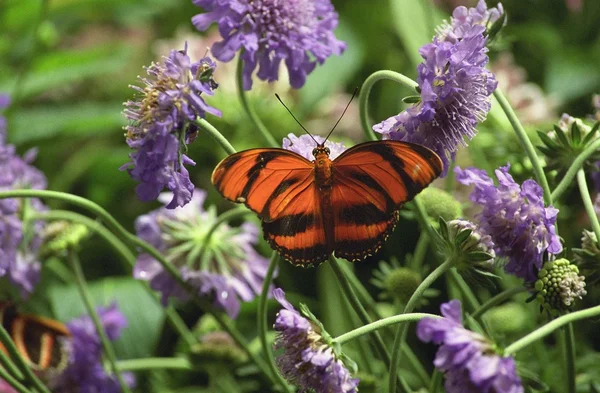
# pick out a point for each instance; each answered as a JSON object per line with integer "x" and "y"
{"x": 558, "y": 285}
{"x": 61, "y": 236}
{"x": 439, "y": 203}
{"x": 508, "y": 318}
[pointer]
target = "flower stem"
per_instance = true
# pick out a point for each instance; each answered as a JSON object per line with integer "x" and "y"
{"x": 464, "y": 289}
{"x": 526, "y": 144}
{"x": 420, "y": 251}
{"x": 9, "y": 379}
{"x": 373, "y": 326}
{"x": 436, "y": 379}
{"x": 499, "y": 298}
{"x": 402, "y": 330}
{"x": 262, "y": 321}
{"x": 574, "y": 168}
{"x": 87, "y": 301}
{"x": 12, "y": 350}
{"x": 588, "y": 204}
{"x": 155, "y": 363}
{"x": 569, "y": 343}
{"x": 221, "y": 140}
{"x": 249, "y": 110}
{"x": 551, "y": 326}
{"x": 363, "y": 96}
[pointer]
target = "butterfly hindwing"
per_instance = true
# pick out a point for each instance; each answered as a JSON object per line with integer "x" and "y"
{"x": 265, "y": 180}
{"x": 371, "y": 181}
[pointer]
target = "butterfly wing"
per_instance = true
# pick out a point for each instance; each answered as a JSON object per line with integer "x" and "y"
{"x": 279, "y": 185}
{"x": 371, "y": 181}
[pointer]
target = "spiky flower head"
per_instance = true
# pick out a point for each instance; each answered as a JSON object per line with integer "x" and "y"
{"x": 62, "y": 236}
{"x": 161, "y": 124}
{"x": 304, "y": 146}
{"x": 309, "y": 359}
{"x": 520, "y": 225}
{"x": 454, "y": 87}
{"x": 219, "y": 261}
{"x": 19, "y": 243}
{"x": 395, "y": 281}
{"x": 439, "y": 203}
{"x": 470, "y": 362}
{"x": 267, "y": 32}
{"x": 559, "y": 285}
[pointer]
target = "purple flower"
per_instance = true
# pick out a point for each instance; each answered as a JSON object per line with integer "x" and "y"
{"x": 225, "y": 268}
{"x": 464, "y": 18}
{"x": 18, "y": 260}
{"x": 161, "y": 123}
{"x": 85, "y": 372}
{"x": 468, "y": 359}
{"x": 266, "y": 32}
{"x": 308, "y": 359}
{"x": 514, "y": 215}
{"x": 304, "y": 146}
{"x": 454, "y": 85}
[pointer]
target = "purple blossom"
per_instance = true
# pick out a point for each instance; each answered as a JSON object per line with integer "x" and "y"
{"x": 468, "y": 359}
{"x": 161, "y": 123}
{"x": 308, "y": 360}
{"x": 455, "y": 87}
{"x": 464, "y": 18}
{"x": 19, "y": 260}
{"x": 267, "y": 32}
{"x": 226, "y": 268}
{"x": 304, "y": 146}
{"x": 85, "y": 372}
{"x": 514, "y": 215}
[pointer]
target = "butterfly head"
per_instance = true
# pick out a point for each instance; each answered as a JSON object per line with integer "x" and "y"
{"x": 320, "y": 149}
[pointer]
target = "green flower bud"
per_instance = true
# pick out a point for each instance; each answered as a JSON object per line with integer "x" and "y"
{"x": 217, "y": 347}
{"x": 508, "y": 318}
{"x": 558, "y": 285}
{"x": 587, "y": 257}
{"x": 439, "y": 203}
{"x": 401, "y": 283}
{"x": 61, "y": 236}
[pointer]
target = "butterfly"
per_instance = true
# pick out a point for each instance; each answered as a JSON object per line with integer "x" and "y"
{"x": 311, "y": 209}
{"x": 40, "y": 341}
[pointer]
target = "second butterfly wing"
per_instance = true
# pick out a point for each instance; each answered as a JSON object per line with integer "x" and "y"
{"x": 371, "y": 181}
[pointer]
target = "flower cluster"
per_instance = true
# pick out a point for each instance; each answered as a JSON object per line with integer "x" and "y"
{"x": 19, "y": 239}
{"x": 308, "y": 359}
{"x": 515, "y": 217}
{"x": 161, "y": 123}
{"x": 85, "y": 371}
{"x": 469, "y": 360}
{"x": 559, "y": 285}
{"x": 304, "y": 145}
{"x": 219, "y": 262}
{"x": 454, "y": 85}
{"x": 267, "y": 32}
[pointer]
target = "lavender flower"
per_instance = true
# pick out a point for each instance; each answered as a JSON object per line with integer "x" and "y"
{"x": 308, "y": 359}
{"x": 468, "y": 359}
{"x": 514, "y": 215}
{"x": 225, "y": 268}
{"x": 266, "y": 32}
{"x": 18, "y": 244}
{"x": 85, "y": 372}
{"x": 304, "y": 146}
{"x": 454, "y": 85}
{"x": 162, "y": 123}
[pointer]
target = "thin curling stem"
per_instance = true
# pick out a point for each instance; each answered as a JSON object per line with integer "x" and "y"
{"x": 212, "y": 131}
{"x": 577, "y": 164}
{"x": 588, "y": 204}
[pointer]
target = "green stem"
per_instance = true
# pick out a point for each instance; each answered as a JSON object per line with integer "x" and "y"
{"x": 379, "y": 324}
{"x": 8, "y": 378}
{"x": 25, "y": 368}
{"x": 221, "y": 140}
{"x": 177, "y": 323}
{"x": 262, "y": 321}
{"x": 420, "y": 252}
{"x": 262, "y": 129}
{"x": 436, "y": 379}
{"x": 470, "y": 297}
{"x": 155, "y": 364}
{"x": 551, "y": 326}
{"x": 402, "y": 330}
{"x": 87, "y": 301}
{"x": 526, "y": 144}
{"x": 423, "y": 218}
{"x": 499, "y": 298}
{"x": 574, "y": 168}
{"x": 588, "y": 204}
{"x": 363, "y": 96}
{"x": 569, "y": 342}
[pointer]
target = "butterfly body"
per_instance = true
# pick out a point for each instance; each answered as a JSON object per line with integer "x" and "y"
{"x": 311, "y": 209}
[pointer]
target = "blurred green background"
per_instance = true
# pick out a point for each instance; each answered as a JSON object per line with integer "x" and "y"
{"x": 67, "y": 65}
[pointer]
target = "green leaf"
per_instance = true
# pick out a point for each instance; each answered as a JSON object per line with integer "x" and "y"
{"x": 547, "y": 140}
{"x": 588, "y": 138}
{"x": 478, "y": 256}
{"x": 144, "y": 314}
{"x": 462, "y": 236}
{"x": 411, "y": 99}
{"x": 575, "y": 133}
{"x": 572, "y": 73}
{"x": 560, "y": 134}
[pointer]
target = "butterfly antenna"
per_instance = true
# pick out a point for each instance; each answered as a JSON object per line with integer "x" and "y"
{"x": 297, "y": 121}
{"x": 344, "y": 112}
